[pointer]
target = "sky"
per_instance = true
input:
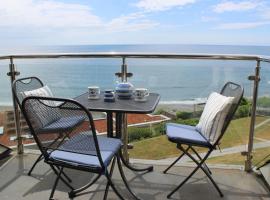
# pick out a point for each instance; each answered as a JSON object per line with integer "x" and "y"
{"x": 85, "y": 22}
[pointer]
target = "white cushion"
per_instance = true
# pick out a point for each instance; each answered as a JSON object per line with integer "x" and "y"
{"x": 46, "y": 116}
{"x": 213, "y": 116}
{"x": 41, "y": 92}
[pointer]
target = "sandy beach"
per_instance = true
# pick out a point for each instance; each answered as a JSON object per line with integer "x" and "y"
{"x": 173, "y": 107}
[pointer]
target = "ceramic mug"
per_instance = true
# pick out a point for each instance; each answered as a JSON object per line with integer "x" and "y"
{"x": 140, "y": 94}
{"x": 93, "y": 92}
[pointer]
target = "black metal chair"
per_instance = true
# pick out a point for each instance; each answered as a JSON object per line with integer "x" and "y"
{"x": 83, "y": 150}
{"x": 191, "y": 137}
{"x": 20, "y": 86}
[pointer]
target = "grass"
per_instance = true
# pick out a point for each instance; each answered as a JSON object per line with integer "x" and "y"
{"x": 263, "y": 131}
{"x": 238, "y": 159}
{"x": 160, "y": 148}
{"x": 154, "y": 148}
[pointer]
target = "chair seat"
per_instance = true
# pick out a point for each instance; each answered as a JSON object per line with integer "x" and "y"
{"x": 184, "y": 134}
{"x": 63, "y": 124}
{"x": 81, "y": 151}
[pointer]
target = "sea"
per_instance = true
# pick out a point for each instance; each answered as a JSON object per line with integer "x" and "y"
{"x": 177, "y": 81}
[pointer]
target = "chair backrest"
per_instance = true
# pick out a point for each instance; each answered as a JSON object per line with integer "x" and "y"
{"x": 33, "y": 108}
{"x": 230, "y": 89}
{"x": 25, "y": 84}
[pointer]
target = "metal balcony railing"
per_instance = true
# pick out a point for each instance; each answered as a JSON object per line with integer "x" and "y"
{"x": 124, "y": 74}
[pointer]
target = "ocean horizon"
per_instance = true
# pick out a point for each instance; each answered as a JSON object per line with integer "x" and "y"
{"x": 177, "y": 81}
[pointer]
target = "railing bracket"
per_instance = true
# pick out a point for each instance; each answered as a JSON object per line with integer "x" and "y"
{"x": 16, "y": 73}
{"x": 119, "y": 74}
{"x": 254, "y": 78}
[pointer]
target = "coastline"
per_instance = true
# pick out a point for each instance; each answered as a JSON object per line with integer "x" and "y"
{"x": 5, "y": 108}
{"x": 174, "y": 106}
{"x": 164, "y": 105}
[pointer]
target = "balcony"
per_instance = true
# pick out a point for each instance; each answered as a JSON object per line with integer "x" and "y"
{"x": 245, "y": 145}
{"x": 234, "y": 183}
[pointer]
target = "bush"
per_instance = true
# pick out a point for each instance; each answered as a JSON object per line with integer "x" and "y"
{"x": 190, "y": 122}
{"x": 158, "y": 129}
{"x": 244, "y": 101}
{"x": 183, "y": 115}
{"x": 139, "y": 133}
{"x": 264, "y": 102}
{"x": 159, "y": 112}
{"x": 242, "y": 111}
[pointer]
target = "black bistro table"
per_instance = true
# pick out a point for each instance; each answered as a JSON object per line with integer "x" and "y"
{"x": 120, "y": 108}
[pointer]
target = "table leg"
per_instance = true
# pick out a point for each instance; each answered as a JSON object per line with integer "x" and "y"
{"x": 125, "y": 137}
{"x": 109, "y": 124}
{"x": 121, "y": 132}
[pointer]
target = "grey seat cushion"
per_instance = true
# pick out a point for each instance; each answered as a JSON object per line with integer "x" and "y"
{"x": 184, "y": 134}
{"x": 80, "y": 151}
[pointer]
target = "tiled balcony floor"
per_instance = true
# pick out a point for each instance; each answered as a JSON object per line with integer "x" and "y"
{"x": 235, "y": 184}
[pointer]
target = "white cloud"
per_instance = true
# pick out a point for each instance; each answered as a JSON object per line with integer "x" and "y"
{"x": 131, "y": 22}
{"x": 41, "y": 15}
{"x": 160, "y": 5}
{"x": 45, "y": 14}
{"x": 209, "y": 19}
{"x": 265, "y": 12}
{"x": 235, "y": 6}
{"x": 238, "y": 26}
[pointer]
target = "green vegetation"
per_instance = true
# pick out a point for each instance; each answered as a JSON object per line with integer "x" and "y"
{"x": 140, "y": 133}
{"x": 154, "y": 148}
{"x": 159, "y": 147}
{"x": 263, "y": 102}
{"x": 159, "y": 111}
{"x": 243, "y": 110}
{"x": 183, "y": 115}
{"x": 191, "y": 122}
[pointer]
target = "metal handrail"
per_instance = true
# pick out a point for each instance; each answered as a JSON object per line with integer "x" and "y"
{"x": 124, "y": 74}
{"x": 139, "y": 55}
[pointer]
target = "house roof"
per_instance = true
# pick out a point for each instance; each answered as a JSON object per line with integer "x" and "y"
{"x": 100, "y": 125}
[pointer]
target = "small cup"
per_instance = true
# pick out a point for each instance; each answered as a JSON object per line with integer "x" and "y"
{"x": 141, "y": 94}
{"x": 109, "y": 96}
{"x": 93, "y": 92}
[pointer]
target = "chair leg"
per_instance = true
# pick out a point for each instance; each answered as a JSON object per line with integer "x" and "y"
{"x": 112, "y": 185}
{"x": 41, "y": 157}
{"x": 124, "y": 177}
{"x": 65, "y": 175}
{"x": 108, "y": 184}
{"x": 74, "y": 193}
{"x": 204, "y": 164}
{"x": 174, "y": 162}
{"x": 55, "y": 183}
{"x": 35, "y": 163}
{"x": 199, "y": 165}
{"x": 206, "y": 171}
{"x": 183, "y": 182}
{"x": 62, "y": 179}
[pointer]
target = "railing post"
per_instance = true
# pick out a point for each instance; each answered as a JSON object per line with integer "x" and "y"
{"x": 124, "y": 70}
{"x": 124, "y": 122}
{"x": 256, "y": 79}
{"x": 13, "y": 73}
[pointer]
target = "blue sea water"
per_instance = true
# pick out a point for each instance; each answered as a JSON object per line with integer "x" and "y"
{"x": 175, "y": 80}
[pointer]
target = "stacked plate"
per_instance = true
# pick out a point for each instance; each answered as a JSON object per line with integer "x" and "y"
{"x": 124, "y": 90}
